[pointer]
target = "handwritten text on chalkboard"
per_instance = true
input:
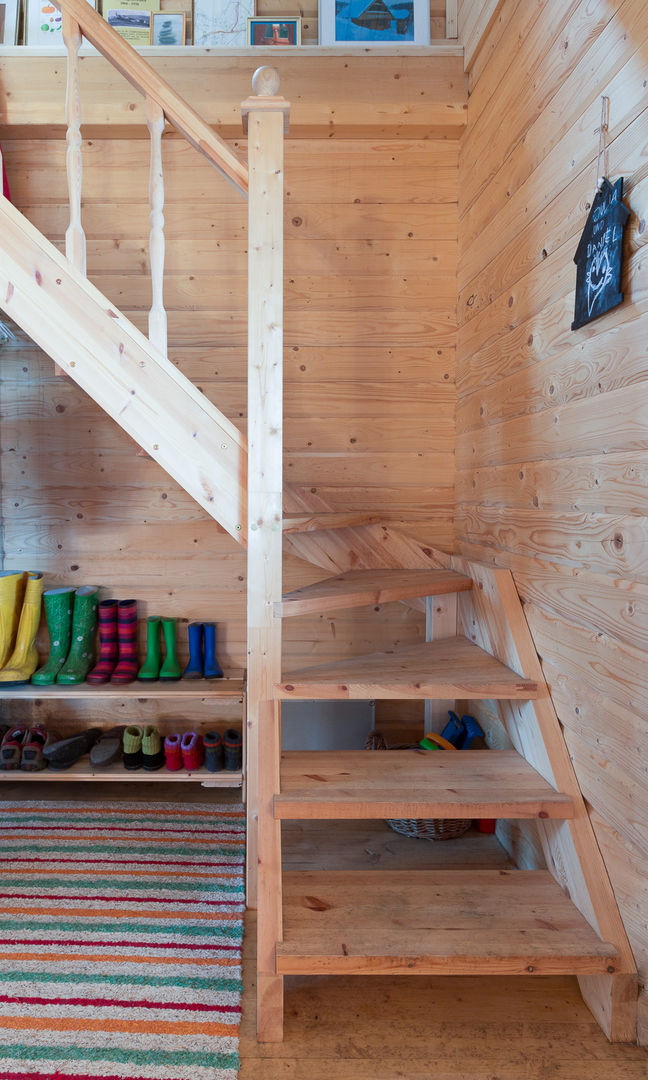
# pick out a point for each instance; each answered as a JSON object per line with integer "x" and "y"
{"x": 598, "y": 256}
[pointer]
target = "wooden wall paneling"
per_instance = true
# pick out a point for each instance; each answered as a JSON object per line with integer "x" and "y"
{"x": 551, "y": 446}
{"x": 327, "y": 91}
{"x": 474, "y": 21}
{"x": 617, "y": 69}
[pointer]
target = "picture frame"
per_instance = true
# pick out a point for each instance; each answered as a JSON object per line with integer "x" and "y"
{"x": 278, "y": 31}
{"x": 168, "y": 28}
{"x": 221, "y": 23}
{"x": 9, "y": 16}
{"x": 43, "y": 23}
{"x": 374, "y": 23}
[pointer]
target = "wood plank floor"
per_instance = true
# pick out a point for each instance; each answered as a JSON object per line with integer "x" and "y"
{"x": 405, "y": 1027}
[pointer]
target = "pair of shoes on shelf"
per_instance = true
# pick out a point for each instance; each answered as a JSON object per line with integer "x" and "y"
{"x": 20, "y": 609}
{"x": 22, "y": 747}
{"x": 118, "y": 661}
{"x": 202, "y": 652}
{"x": 108, "y": 747}
{"x": 64, "y": 753}
{"x": 71, "y": 616}
{"x": 184, "y": 751}
{"x": 143, "y": 748}
{"x": 153, "y": 668}
{"x": 223, "y": 752}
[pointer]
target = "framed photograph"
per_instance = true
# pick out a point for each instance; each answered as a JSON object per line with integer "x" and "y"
{"x": 222, "y": 23}
{"x": 374, "y": 22}
{"x": 43, "y": 23}
{"x": 168, "y": 28}
{"x": 9, "y": 11}
{"x": 276, "y": 31}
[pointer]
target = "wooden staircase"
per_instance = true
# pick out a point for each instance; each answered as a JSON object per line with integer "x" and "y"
{"x": 558, "y": 921}
{"x": 478, "y": 646}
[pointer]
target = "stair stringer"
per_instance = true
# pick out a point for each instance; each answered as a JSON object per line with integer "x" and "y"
{"x": 118, "y": 367}
{"x": 492, "y": 616}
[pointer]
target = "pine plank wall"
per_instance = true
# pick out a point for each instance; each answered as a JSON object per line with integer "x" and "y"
{"x": 371, "y": 242}
{"x": 552, "y": 425}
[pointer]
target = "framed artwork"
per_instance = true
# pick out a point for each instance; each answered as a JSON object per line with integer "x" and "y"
{"x": 43, "y": 23}
{"x": 276, "y": 31}
{"x": 374, "y": 22}
{"x": 9, "y": 11}
{"x": 222, "y": 23}
{"x": 168, "y": 28}
{"x": 131, "y": 19}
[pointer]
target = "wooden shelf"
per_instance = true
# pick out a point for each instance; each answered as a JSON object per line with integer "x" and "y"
{"x": 83, "y": 770}
{"x": 184, "y": 689}
{"x": 445, "y": 669}
{"x": 454, "y": 922}
{"x": 439, "y": 47}
{"x": 414, "y": 784}
{"x": 357, "y": 588}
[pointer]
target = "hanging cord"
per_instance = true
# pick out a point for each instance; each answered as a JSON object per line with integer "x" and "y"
{"x": 603, "y": 147}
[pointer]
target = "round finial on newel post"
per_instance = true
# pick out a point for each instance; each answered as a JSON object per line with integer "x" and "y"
{"x": 265, "y": 82}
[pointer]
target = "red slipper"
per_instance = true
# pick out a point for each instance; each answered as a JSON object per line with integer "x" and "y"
{"x": 193, "y": 753}
{"x": 173, "y": 753}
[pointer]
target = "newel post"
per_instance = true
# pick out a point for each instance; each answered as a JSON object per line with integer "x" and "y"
{"x": 265, "y": 116}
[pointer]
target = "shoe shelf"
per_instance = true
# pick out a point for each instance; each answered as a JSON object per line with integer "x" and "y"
{"x": 183, "y": 690}
{"x": 83, "y": 770}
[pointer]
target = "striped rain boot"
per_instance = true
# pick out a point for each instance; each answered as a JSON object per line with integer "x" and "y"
{"x": 126, "y": 670}
{"x": 107, "y": 643}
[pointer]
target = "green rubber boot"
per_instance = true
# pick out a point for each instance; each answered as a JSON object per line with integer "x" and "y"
{"x": 150, "y": 669}
{"x": 84, "y": 625}
{"x": 170, "y": 670}
{"x": 58, "y": 613}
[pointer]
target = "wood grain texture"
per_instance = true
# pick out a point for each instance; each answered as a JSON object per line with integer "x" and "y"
{"x": 551, "y": 458}
{"x": 414, "y": 784}
{"x": 360, "y": 587}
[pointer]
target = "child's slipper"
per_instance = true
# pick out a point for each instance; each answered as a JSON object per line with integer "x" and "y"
{"x": 214, "y": 754}
{"x": 108, "y": 748}
{"x": 152, "y": 752}
{"x": 192, "y": 750}
{"x": 12, "y": 744}
{"x": 173, "y": 753}
{"x": 133, "y": 747}
{"x": 36, "y": 740}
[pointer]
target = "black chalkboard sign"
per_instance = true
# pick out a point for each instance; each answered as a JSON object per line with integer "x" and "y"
{"x": 598, "y": 256}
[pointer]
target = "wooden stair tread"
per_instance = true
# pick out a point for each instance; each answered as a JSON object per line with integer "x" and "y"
{"x": 444, "y": 669}
{"x": 419, "y": 783}
{"x": 316, "y": 522}
{"x": 449, "y": 922}
{"x": 359, "y": 587}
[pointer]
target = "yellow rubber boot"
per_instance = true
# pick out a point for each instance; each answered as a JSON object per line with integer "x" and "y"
{"x": 12, "y": 588}
{"x": 24, "y": 660}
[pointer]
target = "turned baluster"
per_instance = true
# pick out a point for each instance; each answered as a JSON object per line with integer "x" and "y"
{"x": 75, "y": 241}
{"x": 157, "y": 314}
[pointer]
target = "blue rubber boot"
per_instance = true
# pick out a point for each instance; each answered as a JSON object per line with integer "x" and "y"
{"x": 454, "y": 730}
{"x": 194, "y": 669}
{"x": 473, "y": 731}
{"x": 212, "y": 669}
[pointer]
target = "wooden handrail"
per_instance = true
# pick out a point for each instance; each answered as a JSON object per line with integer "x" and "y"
{"x": 142, "y": 76}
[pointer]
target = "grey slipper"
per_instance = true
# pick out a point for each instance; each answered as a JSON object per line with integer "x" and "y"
{"x": 68, "y": 751}
{"x": 108, "y": 748}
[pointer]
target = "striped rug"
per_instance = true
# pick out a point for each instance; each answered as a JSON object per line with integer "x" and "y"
{"x": 121, "y": 927}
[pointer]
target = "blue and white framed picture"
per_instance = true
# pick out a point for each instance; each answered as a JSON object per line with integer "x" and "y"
{"x": 374, "y": 22}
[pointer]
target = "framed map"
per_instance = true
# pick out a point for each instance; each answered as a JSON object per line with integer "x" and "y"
{"x": 222, "y": 23}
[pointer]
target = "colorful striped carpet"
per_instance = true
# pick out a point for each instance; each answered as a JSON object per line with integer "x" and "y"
{"x": 121, "y": 927}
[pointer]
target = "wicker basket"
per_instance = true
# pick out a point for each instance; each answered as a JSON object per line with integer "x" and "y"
{"x": 419, "y": 828}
